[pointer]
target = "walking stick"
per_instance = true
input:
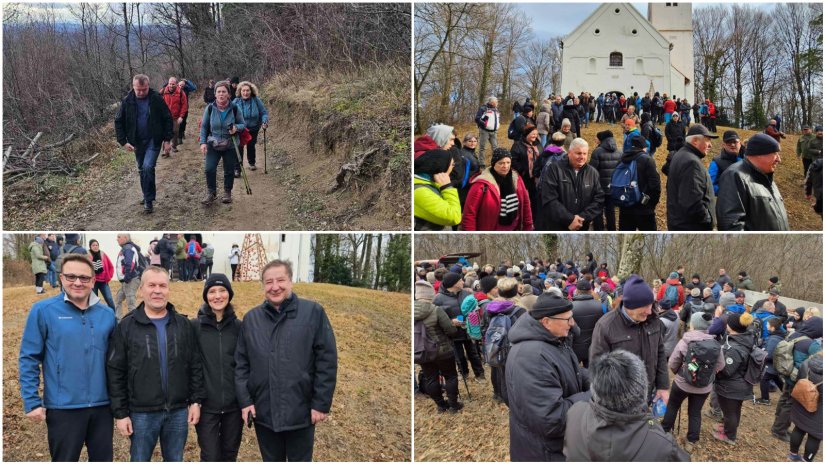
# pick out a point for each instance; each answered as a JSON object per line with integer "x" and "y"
{"x": 458, "y": 367}
{"x": 240, "y": 162}
{"x": 265, "y": 150}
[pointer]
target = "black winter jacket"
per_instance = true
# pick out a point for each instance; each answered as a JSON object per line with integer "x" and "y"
{"x": 564, "y": 194}
{"x": 675, "y": 135}
{"x": 690, "y": 199}
{"x": 209, "y": 95}
{"x": 810, "y": 422}
{"x": 518, "y": 126}
{"x": 605, "y": 158}
{"x": 451, "y": 304}
{"x": 519, "y": 156}
{"x": 286, "y": 363}
{"x": 160, "y": 119}
{"x": 586, "y": 312}
{"x": 750, "y": 200}
{"x": 571, "y": 112}
{"x": 649, "y": 181}
{"x": 543, "y": 381}
{"x": 217, "y": 342}
{"x": 133, "y": 366}
{"x": 730, "y": 381}
{"x": 646, "y": 340}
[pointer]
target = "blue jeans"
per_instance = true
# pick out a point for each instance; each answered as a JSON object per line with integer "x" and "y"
{"x": 230, "y": 159}
{"x": 146, "y": 155}
{"x": 52, "y": 275}
{"x": 104, "y": 288}
{"x": 171, "y": 427}
{"x": 543, "y": 140}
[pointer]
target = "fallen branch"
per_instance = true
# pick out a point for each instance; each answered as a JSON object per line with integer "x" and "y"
{"x": 353, "y": 168}
{"x": 31, "y": 145}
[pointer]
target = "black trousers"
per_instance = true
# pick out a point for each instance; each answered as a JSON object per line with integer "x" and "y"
{"x": 432, "y": 387}
{"x": 629, "y": 221}
{"x": 219, "y": 436}
{"x": 765, "y": 384}
{"x": 732, "y": 413}
{"x": 475, "y": 360}
{"x": 811, "y": 446}
{"x": 182, "y": 129}
{"x": 607, "y": 219}
{"x": 39, "y": 278}
{"x": 695, "y": 403}
{"x": 70, "y": 429}
{"x": 166, "y": 263}
{"x": 806, "y": 163}
{"x": 498, "y": 377}
{"x": 292, "y": 446}
{"x": 782, "y": 416}
{"x": 234, "y": 271}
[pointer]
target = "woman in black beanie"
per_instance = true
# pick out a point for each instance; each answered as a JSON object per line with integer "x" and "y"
{"x": 216, "y": 329}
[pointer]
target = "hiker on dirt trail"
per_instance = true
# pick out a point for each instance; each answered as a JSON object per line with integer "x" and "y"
{"x": 730, "y": 386}
{"x": 233, "y": 86}
{"x": 209, "y": 92}
{"x": 144, "y": 126}
{"x": 614, "y": 426}
{"x": 451, "y": 294}
{"x": 286, "y": 368}
{"x": 67, "y": 336}
{"x": 749, "y": 198}
{"x": 544, "y": 380}
{"x": 234, "y": 259}
{"x": 39, "y": 262}
{"x": 673, "y": 291}
{"x": 439, "y": 329}
{"x": 207, "y": 260}
{"x": 155, "y": 375}
{"x": 807, "y": 422}
{"x": 175, "y": 98}
{"x": 221, "y": 121}
{"x": 188, "y": 87}
{"x": 128, "y": 271}
{"x": 54, "y": 251}
{"x": 636, "y": 328}
{"x": 488, "y": 120}
{"x": 104, "y": 271}
{"x": 216, "y": 330}
{"x": 256, "y": 118}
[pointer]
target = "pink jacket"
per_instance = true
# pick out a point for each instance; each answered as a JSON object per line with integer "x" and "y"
{"x": 678, "y": 355}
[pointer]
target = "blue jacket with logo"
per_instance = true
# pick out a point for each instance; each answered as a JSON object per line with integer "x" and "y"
{"x": 71, "y": 346}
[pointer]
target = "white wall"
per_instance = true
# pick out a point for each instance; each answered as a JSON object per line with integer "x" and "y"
{"x": 676, "y": 25}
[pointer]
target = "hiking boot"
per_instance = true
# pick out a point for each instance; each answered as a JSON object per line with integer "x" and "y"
{"x": 786, "y": 437}
{"x": 164, "y": 155}
{"x": 761, "y": 401}
{"x": 209, "y": 198}
{"x": 252, "y": 167}
{"x": 237, "y": 174}
{"x": 442, "y": 406}
{"x": 147, "y": 207}
{"x": 455, "y": 407}
{"x": 227, "y": 196}
{"x": 142, "y": 201}
{"x": 722, "y": 437}
{"x": 793, "y": 457}
{"x": 713, "y": 414}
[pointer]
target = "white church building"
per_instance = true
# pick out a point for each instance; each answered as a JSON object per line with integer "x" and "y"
{"x": 617, "y": 50}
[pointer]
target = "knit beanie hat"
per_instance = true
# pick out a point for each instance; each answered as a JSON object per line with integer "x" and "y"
{"x": 636, "y": 293}
{"x": 664, "y": 304}
{"x": 739, "y": 322}
{"x": 727, "y": 299}
{"x": 700, "y": 320}
{"x": 488, "y": 283}
{"x": 432, "y": 162}
{"x": 431, "y": 277}
{"x": 604, "y": 134}
{"x": 217, "y": 280}
{"x": 499, "y": 154}
{"x": 450, "y": 279}
{"x": 424, "y": 290}
{"x": 761, "y": 144}
{"x": 618, "y": 382}
{"x": 548, "y": 304}
{"x": 441, "y": 133}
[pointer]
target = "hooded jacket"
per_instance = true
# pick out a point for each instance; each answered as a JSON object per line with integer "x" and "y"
{"x": 564, "y": 194}
{"x": 597, "y": 434}
{"x": 646, "y": 340}
{"x": 670, "y": 320}
{"x": 286, "y": 363}
{"x": 543, "y": 381}
{"x": 440, "y": 209}
{"x": 730, "y": 381}
{"x": 254, "y": 111}
{"x": 750, "y": 200}
{"x": 678, "y": 357}
{"x": 483, "y": 204}
{"x": 160, "y": 120}
{"x": 679, "y": 289}
{"x": 810, "y": 422}
{"x": 544, "y": 121}
{"x": 649, "y": 181}
{"x": 675, "y": 135}
{"x": 438, "y": 324}
{"x": 450, "y": 302}
{"x": 424, "y": 144}
{"x": 690, "y": 199}
{"x": 605, "y": 158}
{"x": 217, "y": 341}
{"x": 586, "y": 312}
{"x": 719, "y": 165}
{"x": 176, "y": 100}
{"x": 128, "y": 259}
{"x": 38, "y": 257}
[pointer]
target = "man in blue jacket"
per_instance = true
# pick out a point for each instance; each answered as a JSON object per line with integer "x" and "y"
{"x": 286, "y": 368}
{"x": 67, "y": 335}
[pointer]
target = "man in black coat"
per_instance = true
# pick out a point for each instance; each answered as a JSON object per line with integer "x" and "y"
{"x": 571, "y": 112}
{"x": 748, "y": 197}
{"x": 780, "y": 310}
{"x": 605, "y": 158}
{"x": 544, "y": 380}
{"x": 286, "y": 368}
{"x": 143, "y": 125}
{"x": 166, "y": 248}
{"x": 451, "y": 293}
{"x": 587, "y": 311}
{"x": 690, "y": 199}
{"x": 570, "y": 194}
{"x": 641, "y": 216}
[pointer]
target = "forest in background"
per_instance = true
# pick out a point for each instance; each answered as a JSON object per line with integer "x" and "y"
{"x": 751, "y": 62}
{"x": 796, "y": 259}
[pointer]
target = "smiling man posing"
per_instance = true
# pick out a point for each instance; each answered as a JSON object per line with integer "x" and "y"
{"x": 67, "y": 335}
{"x": 286, "y": 367}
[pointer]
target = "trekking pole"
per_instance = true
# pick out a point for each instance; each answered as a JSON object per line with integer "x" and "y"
{"x": 458, "y": 366}
{"x": 679, "y": 421}
{"x": 240, "y": 162}
{"x": 265, "y": 150}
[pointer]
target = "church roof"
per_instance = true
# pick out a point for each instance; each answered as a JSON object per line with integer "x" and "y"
{"x": 606, "y": 8}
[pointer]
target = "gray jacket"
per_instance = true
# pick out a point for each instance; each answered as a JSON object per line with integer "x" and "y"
{"x": 438, "y": 324}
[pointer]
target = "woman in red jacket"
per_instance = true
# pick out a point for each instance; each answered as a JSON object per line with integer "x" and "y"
{"x": 498, "y": 199}
{"x": 104, "y": 270}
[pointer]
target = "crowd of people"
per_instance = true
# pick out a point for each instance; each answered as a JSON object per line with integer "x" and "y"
{"x": 153, "y": 123}
{"x": 154, "y": 372}
{"x": 583, "y": 359}
{"x": 552, "y": 179}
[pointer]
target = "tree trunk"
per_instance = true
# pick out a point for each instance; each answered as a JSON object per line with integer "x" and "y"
{"x": 377, "y": 280}
{"x": 630, "y": 261}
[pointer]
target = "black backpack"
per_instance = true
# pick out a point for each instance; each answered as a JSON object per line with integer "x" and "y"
{"x": 511, "y": 130}
{"x": 425, "y": 348}
{"x": 699, "y": 363}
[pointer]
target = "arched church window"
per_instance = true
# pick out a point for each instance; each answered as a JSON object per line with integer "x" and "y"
{"x": 615, "y": 59}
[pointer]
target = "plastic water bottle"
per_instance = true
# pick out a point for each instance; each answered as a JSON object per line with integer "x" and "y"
{"x": 659, "y": 408}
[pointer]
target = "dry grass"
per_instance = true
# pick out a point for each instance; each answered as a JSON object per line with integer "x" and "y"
{"x": 370, "y": 417}
{"x": 788, "y": 176}
{"x": 480, "y": 432}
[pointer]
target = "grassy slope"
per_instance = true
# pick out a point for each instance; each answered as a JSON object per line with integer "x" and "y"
{"x": 788, "y": 175}
{"x": 371, "y": 402}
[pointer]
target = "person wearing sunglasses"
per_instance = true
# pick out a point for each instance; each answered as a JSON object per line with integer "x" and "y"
{"x": 67, "y": 336}
{"x": 543, "y": 378}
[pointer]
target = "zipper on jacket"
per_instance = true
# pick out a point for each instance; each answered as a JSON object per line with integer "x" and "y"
{"x": 92, "y": 332}
{"x": 160, "y": 370}
{"x": 220, "y": 363}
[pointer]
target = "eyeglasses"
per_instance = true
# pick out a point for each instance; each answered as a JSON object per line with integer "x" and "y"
{"x": 565, "y": 319}
{"x": 71, "y": 278}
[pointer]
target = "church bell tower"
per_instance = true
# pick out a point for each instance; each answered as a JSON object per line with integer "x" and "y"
{"x": 674, "y": 21}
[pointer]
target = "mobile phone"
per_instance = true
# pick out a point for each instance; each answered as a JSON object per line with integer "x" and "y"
{"x": 249, "y": 420}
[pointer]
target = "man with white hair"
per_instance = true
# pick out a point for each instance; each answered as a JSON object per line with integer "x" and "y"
{"x": 690, "y": 198}
{"x": 570, "y": 194}
{"x": 488, "y": 120}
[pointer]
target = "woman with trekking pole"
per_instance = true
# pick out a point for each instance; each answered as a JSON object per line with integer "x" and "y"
{"x": 256, "y": 117}
{"x": 221, "y": 121}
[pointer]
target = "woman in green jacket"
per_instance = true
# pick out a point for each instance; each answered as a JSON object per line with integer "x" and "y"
{"x": 435, "y": 200}
{"x": 39, "y": 257}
